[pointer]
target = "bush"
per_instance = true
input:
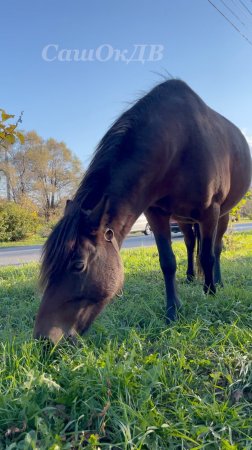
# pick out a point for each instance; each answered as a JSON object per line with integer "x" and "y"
{"x": 235, "y": 213}
{"x": 47, "y": 227}
{"x": 16, "y": 222}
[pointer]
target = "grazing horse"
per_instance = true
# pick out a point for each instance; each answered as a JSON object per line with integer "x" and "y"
{"x": 167, "y": 155}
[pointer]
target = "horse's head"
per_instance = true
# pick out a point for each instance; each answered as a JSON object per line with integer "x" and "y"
{"x": 81, "y": 272}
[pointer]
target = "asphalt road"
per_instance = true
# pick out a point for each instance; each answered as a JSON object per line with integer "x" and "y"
{"x": 21, "y": 255}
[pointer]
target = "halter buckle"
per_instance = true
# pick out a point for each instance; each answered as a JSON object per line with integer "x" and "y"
{"x": 109, "y": 235}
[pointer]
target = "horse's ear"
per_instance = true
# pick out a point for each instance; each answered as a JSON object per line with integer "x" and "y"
{"x": 68, "y": 206}
{"x": 98, "y": 214}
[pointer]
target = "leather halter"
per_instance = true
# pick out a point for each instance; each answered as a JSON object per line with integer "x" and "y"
{"x": 109, "y": 236}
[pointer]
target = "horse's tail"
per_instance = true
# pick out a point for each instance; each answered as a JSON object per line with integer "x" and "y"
{"x": 198, "y": 243}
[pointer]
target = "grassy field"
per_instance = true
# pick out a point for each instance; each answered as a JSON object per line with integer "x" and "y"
{"x": 132, "y": 382}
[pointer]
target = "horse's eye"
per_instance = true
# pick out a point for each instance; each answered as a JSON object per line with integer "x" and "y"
{"x": 78, "y": 266}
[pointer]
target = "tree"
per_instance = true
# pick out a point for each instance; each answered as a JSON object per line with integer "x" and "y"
{"x": 56, "y": 173}
{"x": 45, "y": 172}
{"x": 8, "y": 136}
{"x": 20, "y": 169}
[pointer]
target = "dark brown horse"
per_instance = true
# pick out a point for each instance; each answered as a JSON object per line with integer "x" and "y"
{"x": 169, "y": 154}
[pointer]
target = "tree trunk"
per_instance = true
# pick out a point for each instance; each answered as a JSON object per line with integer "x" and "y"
{"x": 8, "y": 190}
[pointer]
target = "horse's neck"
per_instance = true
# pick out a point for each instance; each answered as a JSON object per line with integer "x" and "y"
{"x": 128, "y": 196}
{"x": 124, "y": 209}
{"x": 121, "y": 217}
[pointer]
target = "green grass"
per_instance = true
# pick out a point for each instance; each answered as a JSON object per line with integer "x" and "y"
{"x": 132, "y": 382}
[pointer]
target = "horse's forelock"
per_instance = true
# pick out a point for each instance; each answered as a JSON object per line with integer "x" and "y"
{"x": 58, "y": 248}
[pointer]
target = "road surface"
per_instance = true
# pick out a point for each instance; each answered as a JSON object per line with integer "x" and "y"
{"x": 20, "y": 255}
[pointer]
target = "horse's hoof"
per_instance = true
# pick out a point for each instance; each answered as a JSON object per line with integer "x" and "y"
{"x": 189, "y": 279}
{"x": 172, "y": 313}
{"x": 171, "y": 319}
{"x": 210, "y": 290}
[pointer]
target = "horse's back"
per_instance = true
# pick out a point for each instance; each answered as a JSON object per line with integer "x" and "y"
{"x": 233, "y": 159}
{"x": 194, "y": 152}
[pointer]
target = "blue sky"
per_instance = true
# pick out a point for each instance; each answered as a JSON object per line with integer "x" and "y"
{"x": 77, "y": 101}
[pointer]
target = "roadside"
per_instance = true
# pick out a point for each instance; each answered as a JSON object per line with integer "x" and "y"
{"x": 34, "y": 240}
{"x": 24, "y": 254}
{"x": 38, "y": 240}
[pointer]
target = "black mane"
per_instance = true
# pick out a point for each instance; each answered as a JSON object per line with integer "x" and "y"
{"x": 100, "y": 169}
{"x": 59, "y": 246}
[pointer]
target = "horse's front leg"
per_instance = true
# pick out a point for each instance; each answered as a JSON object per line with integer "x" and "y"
{"x": 208, "y": 228}
{"x": 160, "y": 226}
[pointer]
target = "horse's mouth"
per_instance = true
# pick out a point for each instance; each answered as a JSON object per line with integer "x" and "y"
{"x": 73, "y": 318}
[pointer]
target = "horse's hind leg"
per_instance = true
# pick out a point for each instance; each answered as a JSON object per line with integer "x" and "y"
{"x": 159, "y": 223}
{"x": 190, "y": 239}
{"x": 221, "y": 229}
{"x": 208, "y": 228}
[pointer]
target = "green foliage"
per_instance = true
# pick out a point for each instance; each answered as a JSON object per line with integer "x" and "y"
{"x": 16, "y": 222}
{"x": 8, "y": 132}
{"x": 133, "y": 383}
{"x": 235, "y": 213}
{"x": 246, "y": 211}
{"x": 47, "y": 227}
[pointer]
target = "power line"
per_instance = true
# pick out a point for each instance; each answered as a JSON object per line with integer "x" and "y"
{"x": 245, "y": 6}
{"x": 243, "y": 12}
{"x": 232, "y": 12}
{"x": 241, "y": 8}
{"x": 231, "y": 23}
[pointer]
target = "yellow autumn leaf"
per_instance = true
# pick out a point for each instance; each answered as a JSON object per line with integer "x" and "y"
{"x": 6, "y": 116}
{"x": 20, "y": 137}
{"x": 10, "y": 138}
{"x": 10, "y": 128}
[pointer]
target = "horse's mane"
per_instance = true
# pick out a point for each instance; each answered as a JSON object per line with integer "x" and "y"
{"x": 107, "y": 153}
{"x": 59, "y": 246}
